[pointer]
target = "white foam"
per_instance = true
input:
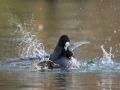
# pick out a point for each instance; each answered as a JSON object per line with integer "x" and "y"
{"x": 74, "y": 63}
{"x": 107, "y": 57}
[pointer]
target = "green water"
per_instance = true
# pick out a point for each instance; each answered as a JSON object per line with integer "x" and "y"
{"x": 96, "y": 21}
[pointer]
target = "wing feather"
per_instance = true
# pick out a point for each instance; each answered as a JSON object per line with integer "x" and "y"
{"x": 76, "y": 44}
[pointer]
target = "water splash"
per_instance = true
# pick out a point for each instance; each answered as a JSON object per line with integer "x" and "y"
{"x": 104, "y": 64}
{"x": 106, "y": 60}
{"x": 75, "y": 63}
{"x": 28, "y": 45}
{"x": 31, "y": 46}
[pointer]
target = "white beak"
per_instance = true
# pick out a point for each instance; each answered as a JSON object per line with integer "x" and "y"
{"x": 66, "y": 45}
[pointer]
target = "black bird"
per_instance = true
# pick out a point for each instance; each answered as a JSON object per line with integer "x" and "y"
{"x": 61, "y": 57}
{"x": 63, "y": 52}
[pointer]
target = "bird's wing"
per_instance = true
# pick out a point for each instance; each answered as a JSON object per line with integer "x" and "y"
{"x": 76, "y": 44}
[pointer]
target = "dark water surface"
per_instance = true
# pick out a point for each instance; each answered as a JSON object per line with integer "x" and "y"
{"x": 58, "y": 80}
{"x": 29, "y": 24}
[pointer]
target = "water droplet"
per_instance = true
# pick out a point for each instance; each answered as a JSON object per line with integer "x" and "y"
{"x": 40, "y": 27}
{"x": 80, "y": 29}
{"x": 114, "y": 31}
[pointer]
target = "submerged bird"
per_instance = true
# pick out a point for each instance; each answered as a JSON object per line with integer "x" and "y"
{"x": 62, "y": 54}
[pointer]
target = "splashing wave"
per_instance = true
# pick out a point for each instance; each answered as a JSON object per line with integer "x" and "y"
{"x": 31, "y": 50}
{"x": 104, "y": 64}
